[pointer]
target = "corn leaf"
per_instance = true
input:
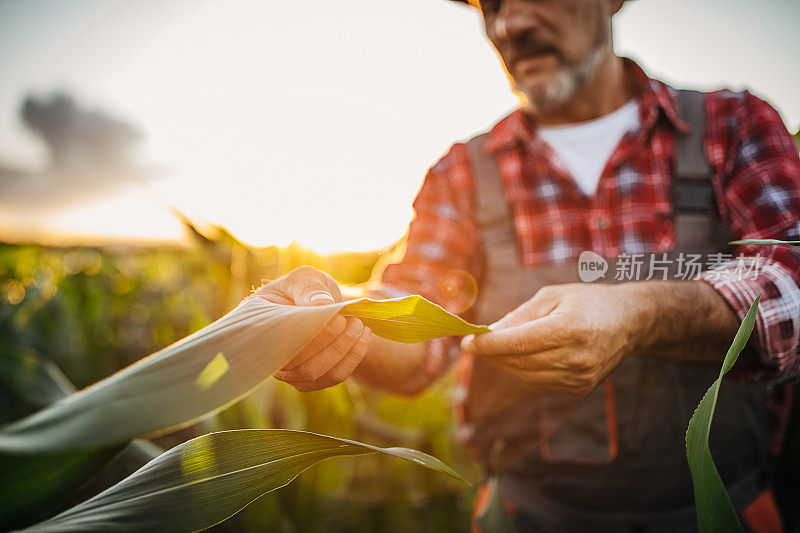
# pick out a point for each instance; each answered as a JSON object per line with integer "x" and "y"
{"x": 178, "y": 385}
{"x": 208, "y": 479}
{"x": 495, "y": 518}
{"x": 210, "y": 369}
{"x": 766, "y": 241}
{"x": 410, "y": 319}
{"x": 32, "y": 485}
{"x": 715, "y": 512}
{"x": 39, "y": 382}
{"x": 166, "y": 389}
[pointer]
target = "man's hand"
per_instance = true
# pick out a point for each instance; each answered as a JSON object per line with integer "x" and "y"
{"x": 331, "y": 356}
{"x": 567, "y": 337}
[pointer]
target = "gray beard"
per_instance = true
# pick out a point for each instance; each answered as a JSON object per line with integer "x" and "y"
{"x": 572, "y": 77}
{"x": 568, "y": 81}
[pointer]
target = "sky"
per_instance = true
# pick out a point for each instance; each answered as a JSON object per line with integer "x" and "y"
{"x": 312, "y": 120}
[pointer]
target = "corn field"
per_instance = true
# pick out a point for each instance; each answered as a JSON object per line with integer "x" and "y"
{"x": 93, "y": 311}
{"x": 71, "y": 317}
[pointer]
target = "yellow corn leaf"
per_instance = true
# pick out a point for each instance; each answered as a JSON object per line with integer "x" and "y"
{"x": 410, "y": 319}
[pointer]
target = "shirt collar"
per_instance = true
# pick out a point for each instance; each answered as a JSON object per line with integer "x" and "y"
{"x": 655, "y": 99}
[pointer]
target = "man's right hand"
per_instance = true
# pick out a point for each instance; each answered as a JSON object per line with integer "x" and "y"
{"x": 331, "y": 356}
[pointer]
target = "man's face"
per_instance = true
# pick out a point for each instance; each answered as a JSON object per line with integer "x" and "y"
{"x": 551, "y": 48}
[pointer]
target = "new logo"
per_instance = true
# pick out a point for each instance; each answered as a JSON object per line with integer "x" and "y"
{"x": 591, "y": 266}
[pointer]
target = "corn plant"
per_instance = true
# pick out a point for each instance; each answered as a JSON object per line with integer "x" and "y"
{"x": 48, "y": 454}
{"x": 213, "y": 476}
{"x": 767, "y": 242}
{"x": 715, "y": 512}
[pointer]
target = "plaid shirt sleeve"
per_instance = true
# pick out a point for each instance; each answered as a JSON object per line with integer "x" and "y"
{"x": 758, "y": 194}
{"x": 441, "y": 260}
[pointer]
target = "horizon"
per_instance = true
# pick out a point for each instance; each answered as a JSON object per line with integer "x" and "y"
{"x": 307, "y": 131}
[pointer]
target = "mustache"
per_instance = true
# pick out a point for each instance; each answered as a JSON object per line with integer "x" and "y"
{"x": 527, "y": 44}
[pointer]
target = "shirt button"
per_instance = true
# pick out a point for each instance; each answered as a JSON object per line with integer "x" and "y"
{"x": 602, "y": 223}
{"x": 667, "y": 225}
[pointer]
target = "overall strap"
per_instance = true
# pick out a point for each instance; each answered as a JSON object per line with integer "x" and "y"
{"x": 691, "y": 183}
{"x": 492, "y": 213}
{"x": 508, "y": 414}
{"x": 692, "y": 190}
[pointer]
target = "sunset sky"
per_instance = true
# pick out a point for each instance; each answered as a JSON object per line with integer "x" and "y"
{"x": 314, "y": 120}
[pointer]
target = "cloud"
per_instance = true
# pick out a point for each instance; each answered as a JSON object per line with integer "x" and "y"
{"x": 91, "y": 155}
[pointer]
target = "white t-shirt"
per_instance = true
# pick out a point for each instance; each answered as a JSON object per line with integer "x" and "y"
{"x": 585, "y": 147}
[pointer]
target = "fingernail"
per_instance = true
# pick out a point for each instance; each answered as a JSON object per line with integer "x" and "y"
{"x": 467, "y": 342}
{"x": 320, "y": 296}
{"x": 366, "y": 334}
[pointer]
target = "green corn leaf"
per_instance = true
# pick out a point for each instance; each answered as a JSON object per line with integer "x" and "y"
{"x": 38, "y": 382}
{"x": 178, "y": 385}
{"x": 172, "y": 387}
{"x": 208, "y": 479}
{"x": 766, "y": 241}
{"x": 494, "y": 518}
{"x": 715, "y": 512}
{"x": 209, "y": 370}
{"x": 410, "y": 319}
{"x": 33, "y": 484}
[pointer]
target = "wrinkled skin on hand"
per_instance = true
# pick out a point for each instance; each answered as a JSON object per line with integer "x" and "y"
{"x": 566, "y": 338}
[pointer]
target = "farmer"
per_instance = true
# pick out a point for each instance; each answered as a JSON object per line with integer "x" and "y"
{"x": 591, "y": 226}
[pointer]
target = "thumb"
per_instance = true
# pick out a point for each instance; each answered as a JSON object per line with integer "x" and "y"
{"x": 312, "y": 292}
{"x": 309, "y": 286}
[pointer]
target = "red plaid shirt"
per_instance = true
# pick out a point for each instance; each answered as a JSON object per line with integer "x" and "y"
{"x": 756, "y": 177}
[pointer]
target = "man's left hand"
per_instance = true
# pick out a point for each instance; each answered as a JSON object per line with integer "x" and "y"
{"x": 567, "y": 337}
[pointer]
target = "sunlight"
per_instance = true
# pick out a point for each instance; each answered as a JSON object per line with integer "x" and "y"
{"x": 213, "y": 371}
{"x": 286, "y": 138}
{"x": 313, "y": 122}
{"x": 132, "y": 216}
